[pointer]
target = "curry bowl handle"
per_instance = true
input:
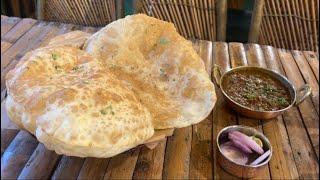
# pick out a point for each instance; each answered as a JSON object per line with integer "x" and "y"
{"x": 303, "y": 93}
{"x": 217, "y": 74}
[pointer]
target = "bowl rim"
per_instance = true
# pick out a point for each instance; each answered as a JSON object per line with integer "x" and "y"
{"x": 251, "y": 129}
{"x": 293, "y": 99}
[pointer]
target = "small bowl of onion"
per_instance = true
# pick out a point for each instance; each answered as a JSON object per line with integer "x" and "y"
{"x": 243, "y": 151}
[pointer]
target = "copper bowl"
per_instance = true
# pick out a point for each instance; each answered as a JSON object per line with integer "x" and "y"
{"x": 239, "y": 170}
{"x": 297, "y": 96}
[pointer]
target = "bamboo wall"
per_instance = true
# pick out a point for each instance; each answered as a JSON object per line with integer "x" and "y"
{"x": 82, "y": 12}
{"x": 192, "y": 18}
{"x": 291, "y": 24}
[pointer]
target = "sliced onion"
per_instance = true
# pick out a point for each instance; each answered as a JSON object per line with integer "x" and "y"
{"x": 233, "y": 153}
{"x": 245, "y": 140}
{"x": 261, "y": 158}
{"x": 237, "y": 142}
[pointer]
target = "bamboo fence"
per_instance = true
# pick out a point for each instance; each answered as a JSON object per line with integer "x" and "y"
{"x": 291, "y": 24}
{"x": 192, "y": 18}
{"x": 82, "y": 12}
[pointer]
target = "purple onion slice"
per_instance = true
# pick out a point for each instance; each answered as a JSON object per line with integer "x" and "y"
{"x": 245, "y": 140}
{"x": 239, "y": 144}
{"x": 233, "y": 153}
{"x": 261, "y": 158}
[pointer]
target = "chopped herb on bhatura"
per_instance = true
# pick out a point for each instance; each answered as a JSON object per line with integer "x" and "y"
{"x": 54, "y": 56}
{"x": 163, "y": 41}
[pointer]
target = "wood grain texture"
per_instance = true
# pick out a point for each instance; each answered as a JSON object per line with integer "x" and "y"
{"x": 307, "y": 110}
{"x": 201, "y": 159}
{"x": 5, "y": 46}
{"x": 7, "y": 136}
{"x": 68, "y": 168}
{"x": 24, "y": 43}
{"x": 40, "y": 165}
{"x": 93, "y": 168}
{"x": 177, "y": 157}
{"x": 17, "y": 154}
{"x": 254, "y": 57}
{"x": 223, "y": 116}
{"x": 282, "y": 165}
{"x": 18, "y": 30}
{"x": 7, "y": 24}
{"x": 150, "y": 162}
{"x": 122, "y": 165}
{"x": 313, "y": 61}
{"x": 304, "y": 154}
{"x": 308, "y": 77}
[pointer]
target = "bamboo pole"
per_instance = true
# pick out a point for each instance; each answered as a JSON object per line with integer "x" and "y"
{"x": 314, "y": 28}
{"x": 266, "y": 25}
{"x": 275, "y": 25}
{"x": 221, "y": 19}
{"x": 286, "y": 21}
{"x": 207, "y": 23}
{"x": 40, "y": 9}
{"x": 199, "y": 18}
{"x": 119, "y": 8}
{"x": 184, "y": 18}
{"x": 256, "y": 21}
{"x": 305, "y": 33}
{"x": 180, "y": 19}
{"x": 298, "y": 24}
{"x": 306, "y": 3}
{"x": 202, "y": 19}
{"x": 189, "y": 18}
{"x": 292, "y": 27}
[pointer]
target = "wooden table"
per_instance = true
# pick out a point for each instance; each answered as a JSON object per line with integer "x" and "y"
{"x": 190, "y": 152}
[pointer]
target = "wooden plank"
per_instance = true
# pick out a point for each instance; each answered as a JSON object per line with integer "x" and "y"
{"x": 223, "y": 116}
{"x": 237, "y": 54}
{"x": 68, "y": 168}
{"x": 313, "y": 61}
{"x": 304, "y": 155}
{"x": 177, "y": 157}
{"x": 40, "y": 164}
{"x": 282, "y": 164}
{"x": 220, "y": 49}
{"x": 221, "y": 20}
{"x": 18, "y": 30}
{"x": 93, "y": 168}
{"x": 308, "y": 112}
{"x": 308, "y": 76}
{"x": 150, "y": 162}
{"x": 122, "y": 165}
{"x": 5, "y": 46}
{"x": 24, "y": 43}
{"x": 17, "y": 154}
{"x": 7, "y": 24}
{"x": 254, "y": 57}
{"x": 201, "y": 159}
{"x": 7, "y": 136}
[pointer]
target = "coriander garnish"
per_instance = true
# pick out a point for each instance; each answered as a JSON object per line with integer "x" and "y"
{"x": 163, "y": 41}
{"x": 54, "y": 56}
{"x": 75, "y": 68}
{"x": 106, "y": 110}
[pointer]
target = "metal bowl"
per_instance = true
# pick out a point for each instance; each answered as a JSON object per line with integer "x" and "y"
{"x": 239, "y": 170}
{"x": 297, "y": 96}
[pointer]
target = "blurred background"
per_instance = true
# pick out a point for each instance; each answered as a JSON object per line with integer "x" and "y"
{"x": 290, "y": 24}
